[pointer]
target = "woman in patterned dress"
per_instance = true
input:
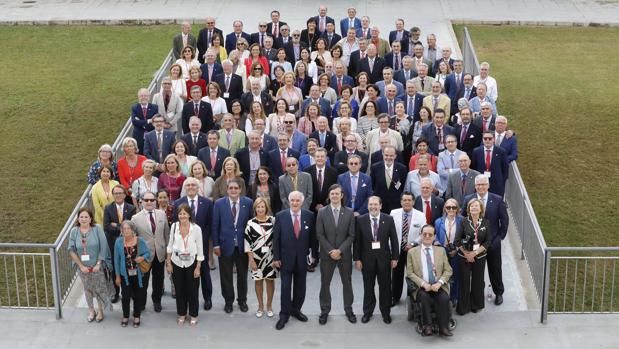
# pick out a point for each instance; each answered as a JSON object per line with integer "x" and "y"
{"x": 258, "y": 246}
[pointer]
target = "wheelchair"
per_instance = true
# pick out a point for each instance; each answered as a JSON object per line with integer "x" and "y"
{"x": 413, "y": 309}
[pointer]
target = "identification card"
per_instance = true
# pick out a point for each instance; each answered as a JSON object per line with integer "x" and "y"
{"x": 487, "y": 174}
{"x": 291, "y": 107}
{"x": 85, "y": 257}
{"x": 132, "y": 272}
{"x": 184, "y": 256}
{"x": 475, "y": 247}
{"x": 226, "y": 94}
{"x": 265, "y": 249}
{"x": 375, "y": 245}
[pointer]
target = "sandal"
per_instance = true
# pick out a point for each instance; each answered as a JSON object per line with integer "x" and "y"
{"x": 91, "y": 316}
{"x": 99, "y": 318}
{"x": 259, "y": 313}
{"x": 194, "y": 321}
{"x": 270, "y": 313}
{"x": 124, "y": 322}
{"x": 180, "y": 321}
{"x": 136, "y": 322}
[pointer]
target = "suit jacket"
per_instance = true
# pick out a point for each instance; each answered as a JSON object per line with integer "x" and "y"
{"x": 242, "y": 156}
{"x": 151, "y": 150}
{"x": 237, "y": 143}
{"x": 390, "y": 61}
{"x": 427, "y": 85}
{"x": 382, "y": 47}
{"x": 353, "y": 63}
{"x": 174, "y": 111}
{"x": 289, "y": 48}
{"x": 201, "y": 143}
{"x": 231, "y": 41}
{"x": 400, "y": 76}
{"x": 334, "y": 39}
{"x": 377, "y": 157}
{"x": 110, "y": 215}
{"x": 329, "y": 176}
{"x": 235, "y": 88}
{"x": 444, "y": 166}
{"x": 416, "y": 221}
{"x": 429, "y": 133}
{"x": 156, "y": 241}
{"x": 177, "y": 44}
{"x": 367, "y": 35}
{"x": 325, "y": 106}
{"x": 268, "y": 143}
{"x": 461, "y": 93}
{"x": 454, "y": 185}
{"x": 364, "y": 191}
{"x": 267, "y": 102}
{"x": 390, "y": 195}
{"x": 310, "y": 40}
{"x": 298, "y": 142}
{"x": 450, "y": 63}
{"x": 140, "y": 121}
{"x": 217, "y": 69}
{"x": 254, "y": 38}
{"x": 275, "y": 161}
{"x": 346, "y": 80}
{"x": 452, "y": 89}
{"x": 340, "y": 161}
{"x": 287, "y": 248}
{"x": 270, "y": 54}
{"x": 442, "y": 268}
{"x": 203, "y": 43}
{"x": 404, "y": 40}
{"x": 372, "y": 137}
{"x": 387, "y": 236}
{"x": 327, "y": 20}
{"x": 436, "y": 204}
{"x": 418, "y": 102}
{"x": 344, "y": 25}
{"x": 225, "y": 232}
{"x": 383, "y": 104}
{"x": 279, "y": 43}
{"x": 330, "y": 142}
{"x": 499, "y": 167}
{"x": 443, "y": 103}
{"x": 204, "y": 155}
{"x": 400, "y": 92}
{"x": 335, "y": 237}
{"x": 376, "y": 74}
{"x": 510, "y": 145}
{"x": 478, "y": 120}
{"x": 279, "y": 28}
{"x": 205, "y": 113}
{"x": 495, "y": 212}
{"x": 304, "y": 185}
{"x": 472, "y": 139}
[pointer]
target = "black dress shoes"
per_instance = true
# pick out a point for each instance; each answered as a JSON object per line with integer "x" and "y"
{"x": 352, "y": 318}
{"x": 444, "y": 332}
{"x": 498, "y": 300}
{"x": 115, "y": 299}
{"x": 157, "y": 307}
{"x": 228, "y": 308}
{"x": 394, "y": 302}
{"x": 427, "y": 331}
{"x": 208, "y": 305}
{"x": 243, "y": 306}
{"x": 280, "y": 324}
{"x": 300, "y": 316}
{"x": 322, "y": 319}
{"x": 366, "y": 318}
{"x": 387, "y": 319}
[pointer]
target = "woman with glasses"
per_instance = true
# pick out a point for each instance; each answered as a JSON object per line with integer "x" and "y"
{"x": 147, "y": 182}
{"x": 105, "y": 157}
{"x": 241, "y": 49}
{"x": 188, "y": 59}
{"x": 276, "y": 119}
{"x": 446, "y": 230}
{"x": 257, "y": 74}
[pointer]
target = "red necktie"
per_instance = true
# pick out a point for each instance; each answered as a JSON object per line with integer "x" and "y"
{"x": 339, "y": 86}
{"x": 297, "y": 226}
{"x": 144, "y": 111}
{"x": 275, "y": 31}
{"x": 166, "y": 101}
{"x": 428, "y": 212}
{"x": 213, "y": 159}
{"x": 283, "y": 160}
{"x": 484, "y": 126}
{"x": 153, "y": 226}
{"x": 488, "y": 152}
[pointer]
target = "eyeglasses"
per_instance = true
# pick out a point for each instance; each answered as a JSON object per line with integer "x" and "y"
{"x": 288, "y": 122}
{"x": 262, "y": 26}
{"x": 119, "y": 193}
{"x": 353, "y": 163}
{"x": 148, "y": 200}
{"x": 487, "y": 138}
{"x": 256, "y": 69}
{"x": 240, "y": 44}
{"x": 451, "y": 208}
{"x": 291, "y": 165}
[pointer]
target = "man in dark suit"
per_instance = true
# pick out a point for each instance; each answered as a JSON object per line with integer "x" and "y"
{"x": 233, "y": 37}
{"x": 376, "y": 252}
{"x": 268, "y": 50}
{"x": 454, "y": 83}
{"x": 394, "y": 58}
{"x": 199, "y": 108}
{"x": 468, "y": 91}
{"x": 322, "y": 19}
{"x": 141, "y": 115}
{"x": 340, "y": 160}
{"x": 400, "y": 34}
{"x": 185, "y": 38}
{"x": 230, "y": 216}
{"x": 158, "y": 142}
{"x": 446, "y": 58}
{"x": 267, "y": 142}
{"x": 436, "y": 133}
{"x": 205, "y": 37}
{"x": 113, "y": 214}
{"x": 277, "y": 157}
{"x": 256, "y": 94}
{"x": 195, "y": 139}
{"x": 213, "y": 155}
{"x": 350, "y": 22}
{"x": 491, "y": 161}
{"x": 314, "y": 97}
{"x": 293, "y": 251}
{"x": 245, "y": 156}
{"x": 428, "y": 203}
{"x": 323, "y": 177}
{"x": 330, "y": 36}
{"x": 486, "y": 119}
{"x": 335, "y": 232}
{"x": 231, "y": 84}
{"x": 293, "y": 48}
{"x": 210, "y": 68}
{"x": 339, "y": 79}
{"x": 388, "y": 178}
{"x": 468, "y": 134}
{"x": 326, "y": 139}
{"x": 365, "y": 32}
{"x": 495, "y": 210}
{"x": 372, "y": 64}
{"x": 357, "y": 186}
{"x": 407, "y": 72}
{"x": 356, "y": 56}
{"x": 412, "y": 101}
{"x": 462, "y": 182}
{"x": 260, "y": 35}
{"x": 274, "y": 27}
{"x": 509, "y": 144}
{"x": 282, "y": 40}
{"x": 202, "y": 209}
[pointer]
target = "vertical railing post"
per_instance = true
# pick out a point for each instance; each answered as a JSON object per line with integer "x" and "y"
{"x": 546, "y": 286}
{"x": 53, "y": 257}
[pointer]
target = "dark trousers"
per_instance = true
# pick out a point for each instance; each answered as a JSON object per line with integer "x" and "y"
{"x": 130, "y": 291}
{"x": 157, "y": 270}
{"x": 186, "y": 290}
{"x": 494, "y": 270}
{"x": 292, "y": 298}
{"x": 205, "y": 278}
{"x": 397, "y": 277}
{"x": 440, "y": 301}
{"x": 226, "y": 275}
{"x": 372, "y": 271}
{"x": 454, "y": 289}
{"x": 471, "y": 285}
{"x": 145, "y": 281}
{"x": 327, "y": 267}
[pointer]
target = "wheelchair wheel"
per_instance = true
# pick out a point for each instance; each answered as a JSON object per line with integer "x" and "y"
{"x": 452, "y": 324}
{"x": 410, "y": 311}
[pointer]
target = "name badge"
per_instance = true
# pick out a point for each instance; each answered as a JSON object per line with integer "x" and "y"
{"x": 265, "y": 249}
{"x": 132, "y": 272}
{"x": 475, "y": 247}
{"x": 375, "y": 245}
{"x": 226, "y": 94}
{"x": 291, "y": 107}
{"x": 85, "y": 257}
{"x": 184, "y": 256}
{"x": 487, "y": 173}
{"x": 452, "y": 170}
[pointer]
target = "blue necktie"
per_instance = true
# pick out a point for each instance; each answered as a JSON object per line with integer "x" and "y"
{"x": 430, "y": 267}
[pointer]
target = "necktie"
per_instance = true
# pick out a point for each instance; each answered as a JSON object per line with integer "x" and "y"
{"x": 422, "y": 84}
{"x": 397, "y": 62}
{"x": 159, "y": 146}
{"x": 467, "y": 93}
{"x": 488, "y": 152}
{"x": 210, "y": 38}
{"x": 336, "y": 216}
{"x": 275, "y": 31}
{"x": 428, "y": 212}
{"x": 485, "y": 127}
{"x": 405, "y": 225}
{"x": 362, "y": 54}
{"x": 144, "y": 112}
{"x": 195, "y": 142}
{"x": 339, "y": 86}
{"x": 430, "y": 266}
{"x": 192, "y": 206}
{"x": 261, "y": 40}
{"x": 322, "y": 24}
{"x": 322, "y": 139}
{"x": 210, "y": 72}
{"x": 365, "y": 33}
{"x": 234, "y": 213}
{"x": 229, "y": 138}
{"x": 407, "y": 74}
{"x": 283, "y": 159}
{"x": 213, "y": 159}
{"x": 153, "y": 226}
{"x": 350, "y": 23}
{"x": 452, "y": 160}
{"x": 353, "y": 188}
{"x": 166, "y": 101}
{"x": 391, "y": 109}
{"x": 196, "y": 109}
{"x": 463, "y": 183}
{"x": 119, "y": 212}
{"x": 330, "y": 36}
{"x": 499, "y": 138}
{"x": 375, "y": 229}
{"x": 457, "y": 80}
{"x": 435, "y": 103}
{"x": 320, "y": 180}
{"x": 297, "y": 226}
{"x": 411, "y": 107}
{"x": 439, "y": 136}
{"x": 463, "y": 134}
{"x": 388, "y": 177}
{"x": 227, "y": 83}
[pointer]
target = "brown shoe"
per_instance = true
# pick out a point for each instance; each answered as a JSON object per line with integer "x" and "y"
{"x": 444, "y": 332}
{"x": 427, "y": 331}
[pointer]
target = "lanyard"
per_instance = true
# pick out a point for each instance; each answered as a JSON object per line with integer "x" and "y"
{"x": 185, "y": 239}
{"x": 449, "y": 230}
{"x": 476, "y": 229}
{"x": 84, "y": 244}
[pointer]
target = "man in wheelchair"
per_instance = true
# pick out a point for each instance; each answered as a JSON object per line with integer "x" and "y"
{"x": 428, "y": 273}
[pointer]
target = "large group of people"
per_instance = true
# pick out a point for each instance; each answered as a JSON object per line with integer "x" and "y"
{"x": 285, "y": 151}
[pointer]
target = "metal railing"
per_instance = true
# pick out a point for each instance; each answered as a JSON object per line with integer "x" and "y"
{"x": 566, "y": 279}
{"x": 40, "y": 276}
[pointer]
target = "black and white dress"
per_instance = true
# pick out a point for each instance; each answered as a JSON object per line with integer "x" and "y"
{"x": 259, "y": 240}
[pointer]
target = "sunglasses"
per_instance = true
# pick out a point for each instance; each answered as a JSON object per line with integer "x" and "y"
{"x": 288, "y": 122}
{"x": 487, "y": 138}
{"x": 353, "y": 163}
{"x": 148, "y": 200}
{"x": 291, "y": 165}
{"x": 451, "y": 207}
{"x": 262, "y": 26}
{"x": 260, "y": 69}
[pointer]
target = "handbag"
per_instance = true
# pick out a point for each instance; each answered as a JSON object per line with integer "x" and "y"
{"x": 143, "y": 265}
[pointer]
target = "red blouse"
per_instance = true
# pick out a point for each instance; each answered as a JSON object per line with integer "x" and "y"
{"x": 126, "y": 174}
{"x": 263, "y": 62}
{"x": 172, "y": 185}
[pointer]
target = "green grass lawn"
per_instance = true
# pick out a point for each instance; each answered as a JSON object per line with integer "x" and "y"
{"x": 65, "y": 91}
{"x": 558, "y": 88}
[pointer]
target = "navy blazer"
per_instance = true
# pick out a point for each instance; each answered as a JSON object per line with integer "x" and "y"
{"x": 203, "y": 43}
{"x": 389, "y": 195}
{"x": 203, "y": 218}
{"x": 436, "y": 204}
{"x": 202, "y": 142}
{"x": 364, "y": 191}
{"x": 510, "y": 145}
{"x": 217, "y": 69}
{"x": 353, "y": 63}
{"x": 268, "y": 143}
{"x": 451, "y": 89}
{"x": 367, "y": 36}
{"x": 231, "y": 41}
{"x": 377, "y": 72}
{"x": 399, "y": 75}
{"x": 298, "y": 142}
{"x": 267, "y": 102}
{"x": 224, "y": 230}
{"x": 140, "y": 122}
{"x": 390, "y": 63}
{"x": 496, "y": 213}
{"x": 110, "y": 215}
{"x": 205, "y": 113}
{"x": 383, "y": 106}
{"x": 404, "y": 41}
{"x": 151, "y": 150}
{"x": 235, "y": 88}
{"x": 242, "y": 156}
{"x": 346, "y": 80}
{"x": 275, "y": 161}
{"x": 472, "y": 139}
{"x": 279, "y": 27}
{"x": 204, "y": 155}
{"x": 327, "y": 20}
{"x": 429, "y": 133}
{"x": 344, "y": 25}
{"x": 499, "y": 167}
{"x": 293, "y": 252}
{"x": 417, "y": 104}
{"x": 387, "y": 236}
{"x": 330, "y": 142}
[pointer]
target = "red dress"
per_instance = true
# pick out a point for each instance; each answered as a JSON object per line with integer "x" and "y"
{"x": 126, "y": 174}
{"x": 172, "y": 185}
{"x": 190, "y": 84}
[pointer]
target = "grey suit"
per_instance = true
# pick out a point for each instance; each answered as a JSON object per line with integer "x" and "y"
{"x": 304, "y": 185}
{"x": 177, "y": 44}
{"x": 173, "y": 113}
{"x": 454, "y": 185}
{"x": 330, "y": 237}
